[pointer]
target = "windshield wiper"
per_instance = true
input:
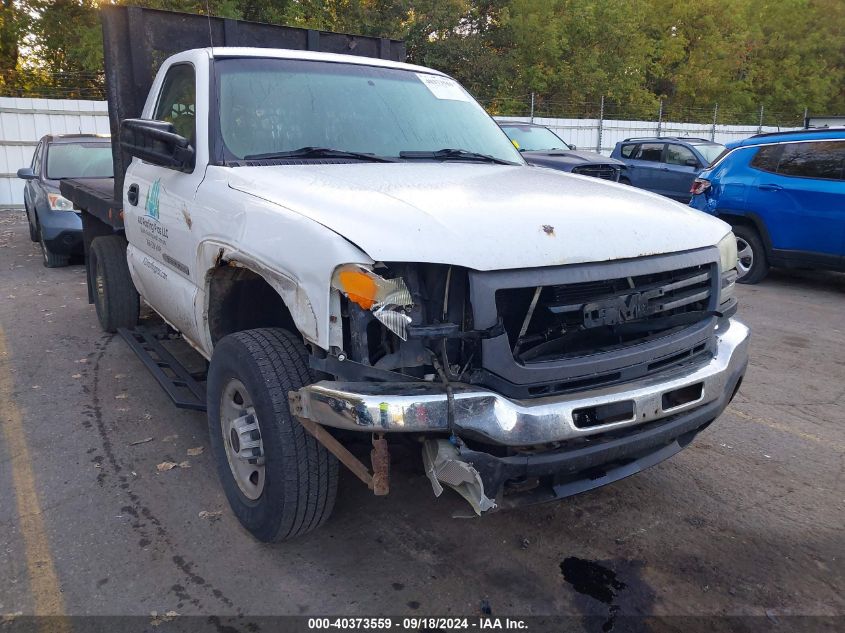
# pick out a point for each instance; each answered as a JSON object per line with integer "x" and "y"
{"x": 454, "y": 154}
{"x": 320, "y": 152}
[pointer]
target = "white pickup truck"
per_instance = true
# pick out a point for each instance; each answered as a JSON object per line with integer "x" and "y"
{"x": 357, "y": 248}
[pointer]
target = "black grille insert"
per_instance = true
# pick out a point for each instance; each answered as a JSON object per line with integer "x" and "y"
{"x": 572, "y": 320}
{"x": 605, "y": 172}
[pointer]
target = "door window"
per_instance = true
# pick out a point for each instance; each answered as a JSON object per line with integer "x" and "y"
{"x": 823, "y": 159}
{"x": 177, "y": 101}
{"x": 679, "y": 155}
{"x": 649, "y": 151}
{"x": 628, "y": 150}
{"x": 767, "y": 157}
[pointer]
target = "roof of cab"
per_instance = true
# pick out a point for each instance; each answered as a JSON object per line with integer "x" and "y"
{"x": 284, "y": 53}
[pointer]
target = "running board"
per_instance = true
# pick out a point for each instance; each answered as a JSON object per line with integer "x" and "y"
{"x": 184, "y": 390}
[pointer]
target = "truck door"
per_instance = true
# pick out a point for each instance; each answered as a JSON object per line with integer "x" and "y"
{"x": 161, "y": 247}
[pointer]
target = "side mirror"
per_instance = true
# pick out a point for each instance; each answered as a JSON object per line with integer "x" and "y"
{"x": 26, "y": 173}
{"x": 158, "y": 143}
{"x": 691, "y": 162}
{"x": 573, "y": 147}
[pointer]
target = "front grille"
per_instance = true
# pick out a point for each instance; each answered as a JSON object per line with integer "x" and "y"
{"x": 605, "y": 172}
{"x": 571, "y": 320}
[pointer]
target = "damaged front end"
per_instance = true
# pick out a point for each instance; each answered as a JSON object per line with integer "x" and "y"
{"x": 535, "y": 384}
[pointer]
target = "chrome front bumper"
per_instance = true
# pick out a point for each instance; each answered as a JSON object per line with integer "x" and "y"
{"x": 422, "y": 407}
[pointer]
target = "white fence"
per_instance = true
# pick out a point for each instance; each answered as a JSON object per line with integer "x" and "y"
{"x": 602, "y": 135}
{"x": 24, "y": 121}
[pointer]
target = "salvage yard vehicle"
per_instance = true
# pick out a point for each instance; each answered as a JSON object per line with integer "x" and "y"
{"x": 540, "y": 146}
{"x": 665, "y": 164}
{"x": 784, "y": 195}
{"x": 53, "y": 221}
{"x": 359, "y": 251}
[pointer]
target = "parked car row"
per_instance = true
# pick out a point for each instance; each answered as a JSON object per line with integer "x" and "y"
{"x": 783, "y": 193}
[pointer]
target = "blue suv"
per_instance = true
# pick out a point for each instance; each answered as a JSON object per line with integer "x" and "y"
{"x": 665, "y": 164}
{"x": 784, "y": 194}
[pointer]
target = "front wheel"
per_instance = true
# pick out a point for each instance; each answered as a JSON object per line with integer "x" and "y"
{"x": 50, "y": 259}
{"x": 751, "y": 255}
{"x": 33, "y": 228}
{"x": 279, "y": 480}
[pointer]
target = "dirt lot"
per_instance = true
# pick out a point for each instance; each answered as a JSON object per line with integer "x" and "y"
{"x": 747, "y": 521}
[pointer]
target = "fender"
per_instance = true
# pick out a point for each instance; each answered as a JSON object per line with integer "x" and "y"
{"x": 213, "y": 254}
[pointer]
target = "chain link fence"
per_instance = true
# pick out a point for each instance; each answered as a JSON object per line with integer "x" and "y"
{"x": 599, "y": 125}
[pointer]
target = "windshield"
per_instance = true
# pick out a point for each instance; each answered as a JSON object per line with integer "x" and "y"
{"x": 79, "y": 160}
{"x": 533, "y": 139}
{"x": 711, "y": 151}
{"x": 279, "y": 105}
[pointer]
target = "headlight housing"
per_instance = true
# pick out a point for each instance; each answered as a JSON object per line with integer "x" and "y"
{"x": 727, "y": 268}
{"x": 59, "y": 203}
{"x": 388, "y": 299}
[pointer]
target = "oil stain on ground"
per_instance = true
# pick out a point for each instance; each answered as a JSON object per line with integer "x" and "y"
{"x": 603, "y": 595}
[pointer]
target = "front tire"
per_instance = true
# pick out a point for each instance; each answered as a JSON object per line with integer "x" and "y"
{"x": 33, "y": 228}
{"x": 115, "y": 298}
{"x": 752, "y": 265}
{"x": 279, "y": 480}
{"x": 49, "y": 258}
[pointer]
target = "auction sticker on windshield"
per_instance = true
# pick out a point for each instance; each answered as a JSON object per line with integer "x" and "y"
{"x": 443, "y": 87}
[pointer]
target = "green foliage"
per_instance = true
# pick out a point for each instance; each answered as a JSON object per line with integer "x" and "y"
{"x": 784, "y": 55}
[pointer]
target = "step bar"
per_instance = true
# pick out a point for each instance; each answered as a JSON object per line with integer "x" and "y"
{"x": 186, "y": 391}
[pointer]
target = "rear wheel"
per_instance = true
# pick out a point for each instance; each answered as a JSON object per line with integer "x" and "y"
{"x": 279, "y": 480}
{"x": 751, "y": 264}
{"x": 117, "y": 302}
{"x": 50, "y": 259}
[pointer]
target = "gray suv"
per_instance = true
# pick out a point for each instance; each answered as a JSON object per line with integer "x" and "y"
{"x": 667, "y": 165}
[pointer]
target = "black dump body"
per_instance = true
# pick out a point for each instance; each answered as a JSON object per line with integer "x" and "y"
{"x": 135, "y": 43}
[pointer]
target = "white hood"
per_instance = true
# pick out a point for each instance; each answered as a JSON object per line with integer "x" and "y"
{"x": 481, "y": 216}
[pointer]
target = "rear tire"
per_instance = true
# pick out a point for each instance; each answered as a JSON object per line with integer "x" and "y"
{"x": 752, "y": 265}
{"x": 117, "y": 302}
{"x": 50, "y": 259}
{"x": 290, "y": 489}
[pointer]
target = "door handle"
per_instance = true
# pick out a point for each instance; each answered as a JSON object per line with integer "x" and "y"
{"x": 768, "y": 187}
{"x": 132, "y": 194}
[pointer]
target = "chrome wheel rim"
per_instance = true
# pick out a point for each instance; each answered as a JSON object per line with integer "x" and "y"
{"x": 242, "y": 439}
{"x": 744, "y": 257}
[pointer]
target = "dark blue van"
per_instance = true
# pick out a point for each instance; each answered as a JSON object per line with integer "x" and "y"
{"x": 784, "y": 194}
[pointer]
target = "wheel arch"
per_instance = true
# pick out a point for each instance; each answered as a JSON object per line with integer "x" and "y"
{"x": 242, "y": 295}
{"x": 748, "y": 219}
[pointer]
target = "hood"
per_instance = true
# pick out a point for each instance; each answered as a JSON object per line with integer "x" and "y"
{"x": 561, "y": 157}
{"x": 480, "y": 216}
